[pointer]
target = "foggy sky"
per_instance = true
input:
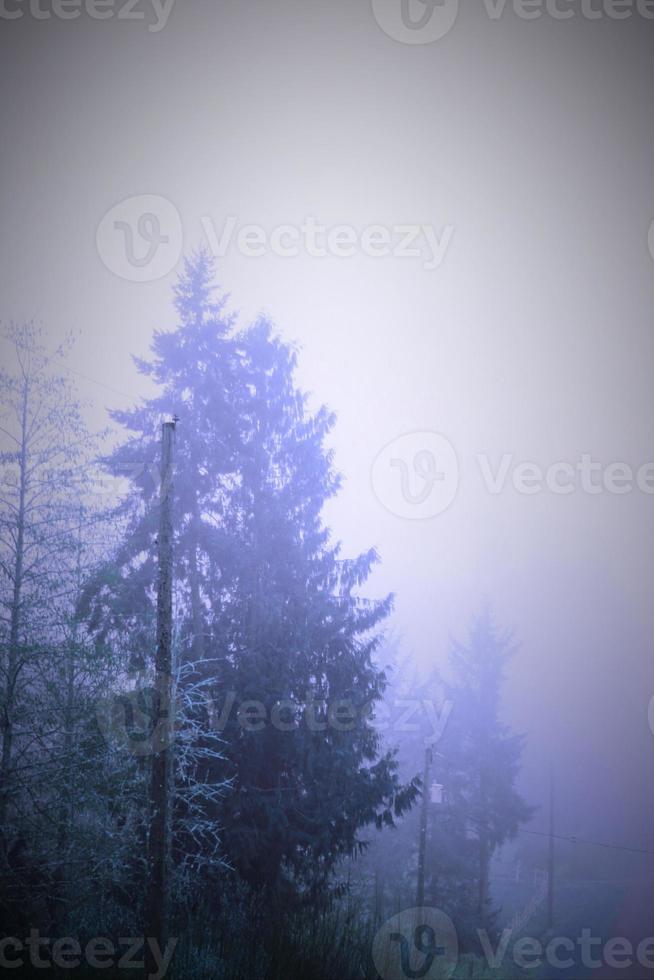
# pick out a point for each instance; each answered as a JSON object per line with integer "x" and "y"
{"x": 533, "y": 140}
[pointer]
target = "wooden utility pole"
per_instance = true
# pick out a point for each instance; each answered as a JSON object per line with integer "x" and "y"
{"x": 377, "y": 911}
{"x": 161, "y": 785}
{"x": 550, "y": 868}
{"x": 422, "y": 837}
{"x": 484, "y": 850}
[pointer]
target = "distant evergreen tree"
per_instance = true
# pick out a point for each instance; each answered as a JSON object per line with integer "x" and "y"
{"x": 267, "y": 609}
{"x": 478, "y": 762}
{"x": 475, "y": 760}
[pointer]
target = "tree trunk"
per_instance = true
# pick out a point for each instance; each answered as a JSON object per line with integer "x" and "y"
{"x": 194, "y": 575}
{"x": 15, "y": 622}
{"x": 484, "y": 855}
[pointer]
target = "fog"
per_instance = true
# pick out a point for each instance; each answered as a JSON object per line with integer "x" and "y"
{"x": 519, "y": 329}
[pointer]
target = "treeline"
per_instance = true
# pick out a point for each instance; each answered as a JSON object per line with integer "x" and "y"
{"x": 447, "y": 726}
{"x": 280, "y": 774}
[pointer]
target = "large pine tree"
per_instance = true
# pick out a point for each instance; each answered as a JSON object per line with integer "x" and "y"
{"x": 267, "y": 609}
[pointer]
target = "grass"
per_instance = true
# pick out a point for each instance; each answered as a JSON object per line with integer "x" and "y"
{"x": 242, "y": 938}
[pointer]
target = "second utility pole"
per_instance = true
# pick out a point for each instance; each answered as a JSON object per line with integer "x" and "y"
{"x": 422, "y": 839}
{"x": 550, "y": 868}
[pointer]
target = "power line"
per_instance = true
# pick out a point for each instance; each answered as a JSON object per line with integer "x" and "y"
{"x": 573, "y": 839}
{"x": 594, "y": 843}
{"x": 116, "y": 391}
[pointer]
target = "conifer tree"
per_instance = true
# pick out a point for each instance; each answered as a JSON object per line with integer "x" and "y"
{"x": 479, "y": 762}
{"x": 268, "y": 610}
